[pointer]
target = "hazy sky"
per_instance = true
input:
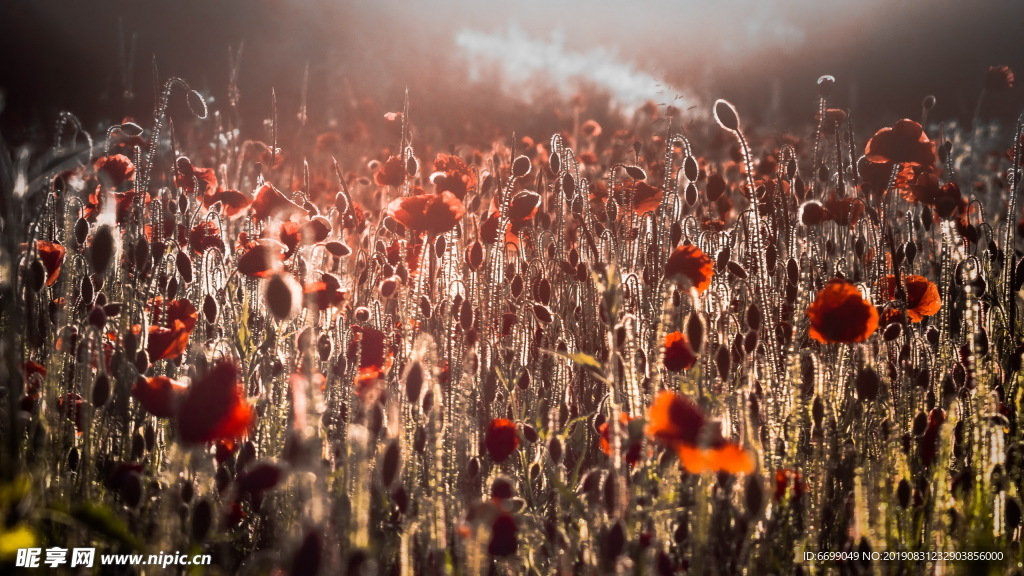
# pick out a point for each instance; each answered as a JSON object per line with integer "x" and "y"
{"x": 887, "y": 54}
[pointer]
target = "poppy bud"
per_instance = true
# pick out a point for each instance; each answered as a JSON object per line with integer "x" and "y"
{"x": 726, "y": 116}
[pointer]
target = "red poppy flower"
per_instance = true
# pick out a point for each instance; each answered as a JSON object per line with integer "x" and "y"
{"x": 323, "y": 294}
{"x": 51, "y": 254}
{"x": 114, "y": 171}
{"x": 194, "y": 181}
{"x": 922, "y": 296}
{"x": 205, "y": 236}
{"x": 269, "y": 201}
{"x": 632, "y": 445}
{"x": 904, "y": 143}
{"x": 170, "y": 339}
{"x": 163, "y": 343}
{"x": 430, "y": 213}
{"x": 391, "y": 172}
{"x": 677, "y": 423}
{"x": 834, "y": 117}
{"x": 233, "y": 201}
{"x": 413, "y": 253}
{"x": 791, "y": 480}
{"x": 840, "y": 314}
{"x": 844, "y": 211}
{"x": 34, "y": 374}
{"x": 689, "y": 263}
{"x": 159, "y": 395}
{"x": 453, "y": 175}
{"x": 215, "y": 407}
{"x": 645, "y": 198}
{"x": 502, "y": 439}
{"x": 289, "y": 235}
{"x": 677, "y": 353}
{"x": 262, "y": 258}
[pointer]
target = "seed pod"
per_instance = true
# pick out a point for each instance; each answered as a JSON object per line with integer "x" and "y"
{"x": 542, "y": 313}
{"x": 754, "y": 317}
{"x": 867, "y": 383}
{"x": 475, "y": 256}
{"x": 81, "y": 231}
{"x": 36, "y": 276}
{"x": 903, "y": 493}
{"x": 737, "y": 270}
{"x": 517, "y": 286}
{"x": 419, "y": 439}
{"x": 753, "y": 493}
{"x": 210, "y": 308}
{"x": 695, "y": 332}
{"x": 414, "y": 383}
{"x": 690, "y": 168}
{"x": 338, "y": 249}
{"x": 391, "y": 464}
{"x": 690, "y": 194}
{"x": 722, "y": 360}
{"x": 555, "y": 449}
{"x": 184, "y": 265}
{"x": 101, "y": 253}
{"x": 101, "y": 390}
{"x": 555, "y": 162}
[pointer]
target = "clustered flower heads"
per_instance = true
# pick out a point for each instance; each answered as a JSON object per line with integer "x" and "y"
{"x": 617, "y": 349}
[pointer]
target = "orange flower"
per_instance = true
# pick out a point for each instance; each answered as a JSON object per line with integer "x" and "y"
{"x": 215, "y": 407}
{"x": 204, "y": 236}
{"x": 453, "y": 175}
{"x": 269, "y": 201}
{"x": 904, "y": 143}
{"x": 922, "y": 296}
{"x": 51, "y": 254}
{"x": 840, "y": 314}
{"x": 430, "y": 213}
{"x": 677, "y": 423}
{"x": 159, "y": 395}
{"x": 196, "y": 181}
{"x": 391, "y": 172}
{"x": 262, "y": 258}
{"x": 233, "y": 201}
{"x": 678, "y": 355}
{"x": 114, "y": 171}
{"x": 171, "y": 339}
{"x": 632, "y": 445}
{"x": 690, "y": 264}
{"x": 502, "y": 439}
{"x": 791, "y": 479}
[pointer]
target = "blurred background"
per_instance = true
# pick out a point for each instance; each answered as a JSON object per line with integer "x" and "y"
{"x": 97, "y": 59}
